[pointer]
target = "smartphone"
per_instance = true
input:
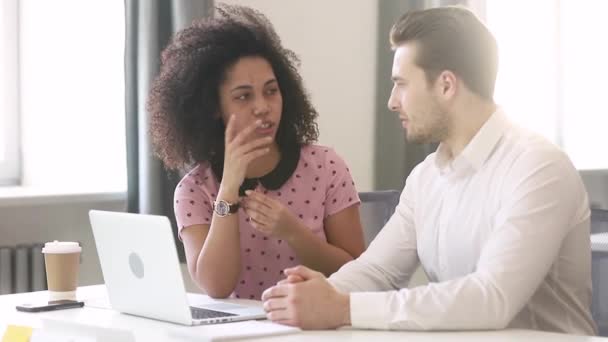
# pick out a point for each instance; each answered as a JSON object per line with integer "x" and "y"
{"x": 50, "y": 305}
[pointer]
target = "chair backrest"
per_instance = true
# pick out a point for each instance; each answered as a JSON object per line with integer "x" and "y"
{"x": 376, "y": 208}
{"x": 599, "y": 268}
{"x": 599, "y": 221}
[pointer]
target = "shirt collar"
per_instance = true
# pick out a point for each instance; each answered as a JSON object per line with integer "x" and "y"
{"x": 478, "y": 150}
{"x": 274, "y": 180}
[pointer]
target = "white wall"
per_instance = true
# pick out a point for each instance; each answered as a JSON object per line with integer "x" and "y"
{"x": 40, "y": 220}
{"x": 336, "y": 41}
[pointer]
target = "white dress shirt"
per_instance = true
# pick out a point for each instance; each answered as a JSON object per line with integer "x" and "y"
{"x": 502, "y": 232}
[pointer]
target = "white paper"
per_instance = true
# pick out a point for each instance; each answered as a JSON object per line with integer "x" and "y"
{"x": 43, "y": 336}
{"x": 229, "y": 331}
{"x": 97, "y": 333}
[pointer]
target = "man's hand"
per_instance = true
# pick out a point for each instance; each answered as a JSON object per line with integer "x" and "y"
{"x": 307, "y": 300}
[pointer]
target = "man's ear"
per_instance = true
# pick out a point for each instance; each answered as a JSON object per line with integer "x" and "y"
{"x": 447, "y": 83}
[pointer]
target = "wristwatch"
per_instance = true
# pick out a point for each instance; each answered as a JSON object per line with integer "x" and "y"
{"x": 223, "y": 208}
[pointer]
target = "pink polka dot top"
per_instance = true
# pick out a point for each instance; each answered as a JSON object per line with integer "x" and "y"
{"x": 320, "y": 186}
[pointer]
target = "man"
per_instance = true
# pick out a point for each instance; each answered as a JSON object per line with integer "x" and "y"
{"x": 497, "y": 216}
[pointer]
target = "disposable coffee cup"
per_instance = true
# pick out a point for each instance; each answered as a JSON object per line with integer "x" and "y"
{"x": 62, "y": 262}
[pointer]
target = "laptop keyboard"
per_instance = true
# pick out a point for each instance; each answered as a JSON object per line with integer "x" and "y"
{"x": 200, "y": 313}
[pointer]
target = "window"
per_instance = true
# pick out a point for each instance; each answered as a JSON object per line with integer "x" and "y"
{"x": 71, "y": 95}
{"x": 9, "y": 137}
{"x": 552, "y": 71}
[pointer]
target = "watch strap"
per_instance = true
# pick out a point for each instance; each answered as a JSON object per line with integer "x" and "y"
{"x": 234, "y": 207}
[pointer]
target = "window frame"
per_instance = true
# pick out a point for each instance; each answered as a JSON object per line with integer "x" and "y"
{"x": 10, "y": 165}
{"x": 563, "y": 128}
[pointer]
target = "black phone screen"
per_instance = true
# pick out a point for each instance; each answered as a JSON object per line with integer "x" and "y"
{"x": 49, "y": 306}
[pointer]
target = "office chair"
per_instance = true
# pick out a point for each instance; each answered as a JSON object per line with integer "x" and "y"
{"x": 599, "y": 269}
{"x": 376, "y": 208}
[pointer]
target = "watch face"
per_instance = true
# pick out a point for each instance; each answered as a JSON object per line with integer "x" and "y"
{"x": 222, "y": 208}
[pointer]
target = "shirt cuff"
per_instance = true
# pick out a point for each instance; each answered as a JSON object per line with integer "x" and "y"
{"x": 370, "y": 310}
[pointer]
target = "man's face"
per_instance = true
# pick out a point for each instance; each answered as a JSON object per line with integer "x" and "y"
{"x": 415, "y": 99}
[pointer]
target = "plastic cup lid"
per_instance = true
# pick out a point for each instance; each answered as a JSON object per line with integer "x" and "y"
{"x": 61, "y": 247}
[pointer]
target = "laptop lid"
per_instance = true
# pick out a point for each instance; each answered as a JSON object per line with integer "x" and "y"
{"x": 140, "y": 265}
{"x": 143, "y": 276}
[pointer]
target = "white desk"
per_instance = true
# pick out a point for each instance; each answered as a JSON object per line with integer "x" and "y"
{"x": 151, "y": 331}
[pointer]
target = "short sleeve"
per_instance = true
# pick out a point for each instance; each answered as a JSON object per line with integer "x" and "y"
{"x": 192, "y": 203}
{"x": 340, "y": 192}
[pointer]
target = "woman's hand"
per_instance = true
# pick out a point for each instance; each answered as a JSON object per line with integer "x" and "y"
{"x": 268, "y": 215}
{"x": 239, "y": 152}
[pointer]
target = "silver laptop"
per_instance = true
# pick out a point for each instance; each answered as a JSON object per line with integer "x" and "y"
{"x": 143, "y": 276}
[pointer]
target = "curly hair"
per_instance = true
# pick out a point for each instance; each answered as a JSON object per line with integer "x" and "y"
{"x": 184, "y": 98}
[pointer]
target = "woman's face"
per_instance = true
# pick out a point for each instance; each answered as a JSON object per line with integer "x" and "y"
{"x": 251, "y": 92}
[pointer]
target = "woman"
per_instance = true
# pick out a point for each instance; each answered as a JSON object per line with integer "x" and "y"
{"x": 261, "y": 197}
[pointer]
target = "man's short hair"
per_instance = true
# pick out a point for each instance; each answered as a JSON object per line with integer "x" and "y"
{"x": 451, "y": 38}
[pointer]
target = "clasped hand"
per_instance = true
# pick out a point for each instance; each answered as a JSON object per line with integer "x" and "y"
{"x": 306, "y": 299}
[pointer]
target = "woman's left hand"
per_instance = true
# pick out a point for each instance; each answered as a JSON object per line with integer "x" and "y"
{"x": 268, "y": 215}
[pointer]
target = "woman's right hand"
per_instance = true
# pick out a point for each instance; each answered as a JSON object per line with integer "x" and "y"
{"x": 239, "y": 152}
